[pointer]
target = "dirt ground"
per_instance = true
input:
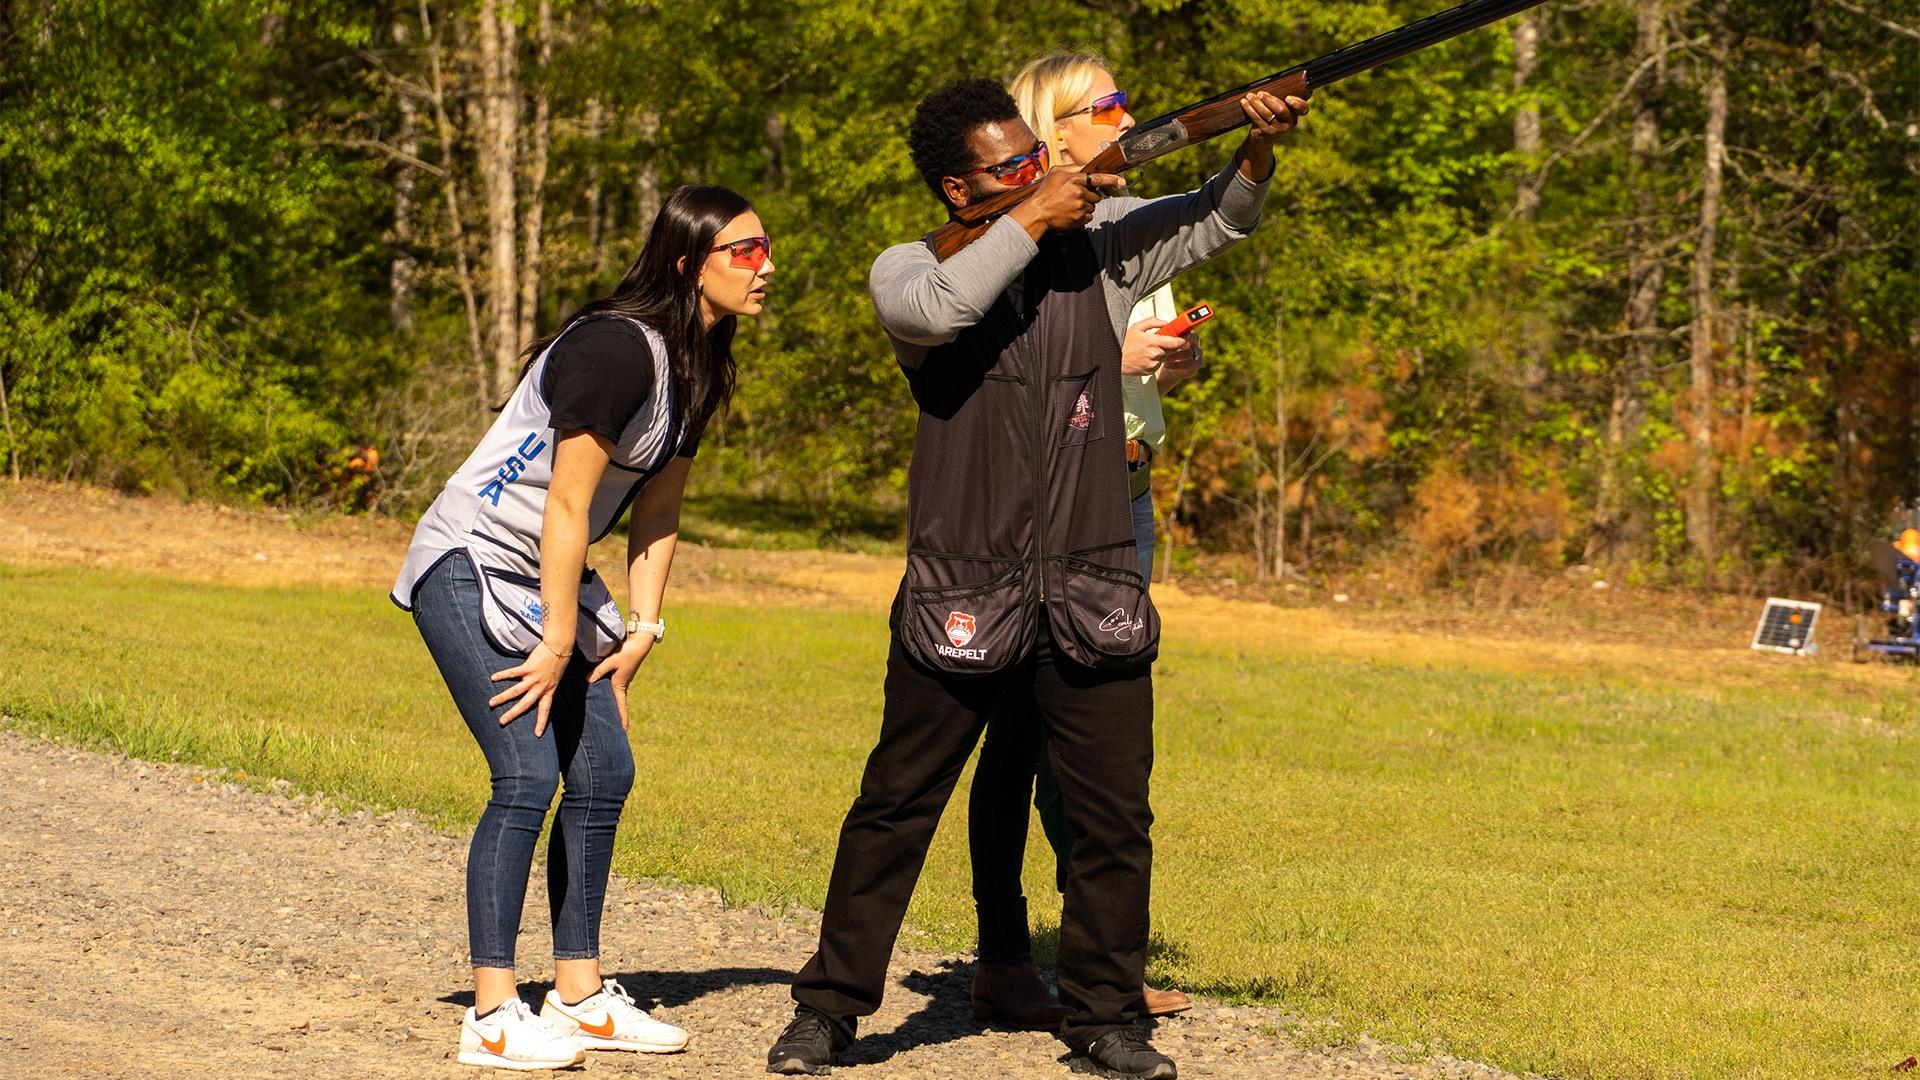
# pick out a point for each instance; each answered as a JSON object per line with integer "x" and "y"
{"x": 163, "y": 922}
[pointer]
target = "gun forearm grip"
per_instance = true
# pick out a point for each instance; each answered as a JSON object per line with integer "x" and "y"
{"x": 975, "y": 219}
{"x": 948, "y": 239}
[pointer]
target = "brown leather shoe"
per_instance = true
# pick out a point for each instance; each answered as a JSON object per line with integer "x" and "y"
{"x": 1012, "y": 995}
{"x": 1164, "y": 1002}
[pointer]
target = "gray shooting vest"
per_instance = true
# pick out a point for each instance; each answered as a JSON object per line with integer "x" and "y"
{"x": 493, "y": 507}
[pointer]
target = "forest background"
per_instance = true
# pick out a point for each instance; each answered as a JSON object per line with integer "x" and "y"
{"x": 1628, "y": 283}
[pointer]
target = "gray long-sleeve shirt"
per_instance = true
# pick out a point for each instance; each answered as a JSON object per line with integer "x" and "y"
{"x": 1142, "y": 244}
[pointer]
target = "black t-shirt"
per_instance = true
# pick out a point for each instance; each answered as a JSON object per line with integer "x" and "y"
{"x": 598, "y": 378}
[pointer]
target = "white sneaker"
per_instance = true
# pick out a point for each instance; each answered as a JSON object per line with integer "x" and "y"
{"x": 609, "y": 1020}
{"x": 511, "y": 1037}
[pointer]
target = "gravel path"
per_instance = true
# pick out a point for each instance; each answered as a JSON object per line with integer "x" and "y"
{"x": 163, "y": 922}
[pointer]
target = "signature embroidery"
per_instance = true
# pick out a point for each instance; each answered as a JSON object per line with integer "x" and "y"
{"x": 1121, "y": 627}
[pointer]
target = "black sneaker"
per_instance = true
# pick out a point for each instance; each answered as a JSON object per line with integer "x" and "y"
{"x": 1124, "y": 1054}
{"x": 805, "y": 1048}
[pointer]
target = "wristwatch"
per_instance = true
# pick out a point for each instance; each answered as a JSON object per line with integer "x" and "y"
{"x": 637, "y": 625}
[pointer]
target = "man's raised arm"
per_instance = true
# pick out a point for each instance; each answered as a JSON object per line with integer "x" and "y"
{"x": 923, "y": 301}
{"x": 1145, "y": 243}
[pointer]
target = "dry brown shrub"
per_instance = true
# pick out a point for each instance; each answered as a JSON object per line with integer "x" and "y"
{"x": 1531, "y": 525}
{"x": 1447, "y": 526}
{"x": 1459, "y": 520}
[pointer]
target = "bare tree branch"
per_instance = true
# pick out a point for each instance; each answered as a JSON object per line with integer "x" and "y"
{"x": 1889, "y": 24}
{"x": 393, "y": 153}
{"x": 1627, "y": 87}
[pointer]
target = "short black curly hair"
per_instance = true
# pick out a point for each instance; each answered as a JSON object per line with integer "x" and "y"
{"x": 937, "y": 137}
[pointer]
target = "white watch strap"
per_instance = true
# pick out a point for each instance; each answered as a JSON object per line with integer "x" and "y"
{"x": 636, "y": 625}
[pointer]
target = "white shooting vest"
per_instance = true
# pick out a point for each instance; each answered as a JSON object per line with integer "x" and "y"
{"x": 493, "y": 507}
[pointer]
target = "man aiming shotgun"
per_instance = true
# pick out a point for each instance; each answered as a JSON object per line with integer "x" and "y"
{"x": 1021, "y": 565}
{"x": 1021, "y": 569}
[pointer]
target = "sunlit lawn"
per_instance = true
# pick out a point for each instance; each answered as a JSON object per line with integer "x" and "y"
{"x": 1558, "y": 874}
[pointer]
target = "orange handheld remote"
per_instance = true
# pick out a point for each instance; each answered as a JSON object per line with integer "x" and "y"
{"x": 1187, "y": 320}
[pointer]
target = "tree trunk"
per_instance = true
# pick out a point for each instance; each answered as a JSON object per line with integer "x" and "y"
{"x": 646, "y": 179}
{"x": 1305, "y": 543}
{"x": 6, "y": 427}
{"x": 1526, "y": 119}
{"x": 1173, "y": 511}
{"x": 1526, "y": 147}
{"x": 776, "y": 172}
{"x": 1280, "y": 463}
{"x": 1646, "y": 273}
{"x": 596, "y": 126}
{"x": 541, "y": 139}
{"x": 1700, "y": 531}
{"x": 401, "y": 273}
{"x": 500, "y": 119}
{"x": 1257, "y": 455}
{"x": 450, "y": 188}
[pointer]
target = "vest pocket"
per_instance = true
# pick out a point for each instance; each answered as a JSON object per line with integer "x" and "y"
{"x": 972, "y": 628}
{"x": 510, "y": 613}
{"x": 1079, "y": 412}
{"x": 1102, "y": 616}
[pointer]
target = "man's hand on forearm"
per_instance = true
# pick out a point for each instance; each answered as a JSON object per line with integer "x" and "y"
{"x": 1268, "y": 117}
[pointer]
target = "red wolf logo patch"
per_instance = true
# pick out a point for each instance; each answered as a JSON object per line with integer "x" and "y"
{"x": 959, "y": 628}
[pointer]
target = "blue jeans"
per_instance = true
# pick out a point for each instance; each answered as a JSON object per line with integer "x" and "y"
{"x": 584, "y": 743}
{"x": 1143, "y": 532}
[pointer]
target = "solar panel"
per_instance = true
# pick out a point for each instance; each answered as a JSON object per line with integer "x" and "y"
{"x": 1786, "y": 626}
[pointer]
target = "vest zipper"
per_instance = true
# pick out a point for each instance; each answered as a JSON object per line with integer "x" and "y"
{"x": 1042, "y": 489}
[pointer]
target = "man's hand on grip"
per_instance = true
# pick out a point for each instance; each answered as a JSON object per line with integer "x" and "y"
{"x": 1063, "y": 200}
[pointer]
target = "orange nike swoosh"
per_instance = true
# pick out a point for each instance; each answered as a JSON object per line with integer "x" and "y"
{"x": 499, "y": 1047}
{"x": 601, "y": 1030}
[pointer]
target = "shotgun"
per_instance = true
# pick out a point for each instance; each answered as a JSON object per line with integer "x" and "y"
{"x": 1221, "y": 113}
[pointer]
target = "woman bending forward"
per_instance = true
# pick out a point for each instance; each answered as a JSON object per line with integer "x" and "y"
{"x": 608, "y": 413}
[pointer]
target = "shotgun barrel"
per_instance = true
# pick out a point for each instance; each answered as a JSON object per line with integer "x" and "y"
{"x": 1221, "y": 113}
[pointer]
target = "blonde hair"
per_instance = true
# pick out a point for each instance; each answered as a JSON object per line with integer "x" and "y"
{"x": 1051, "y": 85}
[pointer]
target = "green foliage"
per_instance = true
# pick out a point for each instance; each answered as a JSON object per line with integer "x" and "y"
{"x": 178, "y": 256}
{"x": 199, "y": 198}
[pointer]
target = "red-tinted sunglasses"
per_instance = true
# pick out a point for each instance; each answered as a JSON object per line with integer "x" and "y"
{"x": 1016, "y": 171}
{"x": 749, "y": 254}
{"x": 1106, "y": 110}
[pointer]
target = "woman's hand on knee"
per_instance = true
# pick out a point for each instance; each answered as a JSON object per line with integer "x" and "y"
{"x": 539, "y": 675}
{"x": 621, "y": 668}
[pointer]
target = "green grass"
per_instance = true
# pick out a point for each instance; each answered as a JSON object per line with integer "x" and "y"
{"x": 765, "y": 524}
{"x": 1556, "y": 874}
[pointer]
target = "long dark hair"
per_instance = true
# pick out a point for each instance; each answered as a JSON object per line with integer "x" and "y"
{"x": 657, "y": 291}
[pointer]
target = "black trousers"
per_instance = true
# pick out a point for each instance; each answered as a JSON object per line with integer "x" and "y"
{"x": 1099, "y": 729}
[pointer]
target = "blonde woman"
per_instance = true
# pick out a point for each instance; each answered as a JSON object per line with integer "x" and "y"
{"x": 1071, "y": 102}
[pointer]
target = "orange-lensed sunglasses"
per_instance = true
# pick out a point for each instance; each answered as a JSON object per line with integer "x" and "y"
{"x": 1016, "y": 171}
{"x": 749, "y": 254}
{"x": 1106, "y": 110}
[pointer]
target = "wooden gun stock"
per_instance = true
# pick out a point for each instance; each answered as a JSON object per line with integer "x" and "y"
{"x": 1221, "y": 113}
